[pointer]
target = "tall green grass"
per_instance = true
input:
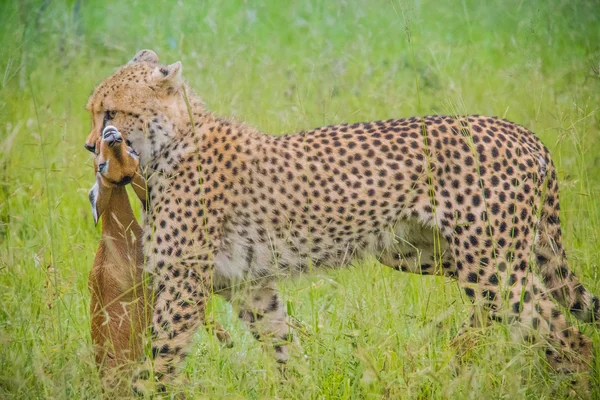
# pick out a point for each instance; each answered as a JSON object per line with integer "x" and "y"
{"x": 367, "y": 332}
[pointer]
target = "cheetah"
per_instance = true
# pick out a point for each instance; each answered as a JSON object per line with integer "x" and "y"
{"x": 231, "y": 210}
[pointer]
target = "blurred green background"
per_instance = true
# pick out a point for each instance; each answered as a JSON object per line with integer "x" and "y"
{"x": 368, "y": 332}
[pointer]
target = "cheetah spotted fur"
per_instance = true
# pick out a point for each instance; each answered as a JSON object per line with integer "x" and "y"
{"x": 231, "y": 210}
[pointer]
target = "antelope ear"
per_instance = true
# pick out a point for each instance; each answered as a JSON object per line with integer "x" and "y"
{"x": 99, "y": 196}
{"x": 145, "y": 56}
{"x": 169, "y": 76}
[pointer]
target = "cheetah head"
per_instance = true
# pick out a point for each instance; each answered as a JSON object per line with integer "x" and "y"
{"x": 143, "y": 100}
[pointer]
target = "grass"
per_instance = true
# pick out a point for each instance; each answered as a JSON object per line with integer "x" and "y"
{"x": 367, "y": 332}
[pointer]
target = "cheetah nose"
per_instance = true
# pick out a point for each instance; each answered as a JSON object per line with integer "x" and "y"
{"x": 111, "y": 135}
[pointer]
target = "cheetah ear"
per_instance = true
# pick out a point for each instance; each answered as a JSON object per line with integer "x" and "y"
{"x": 98, "y": 196}
{"x": 147, "y": 56}
{"x": 169, "y": 76}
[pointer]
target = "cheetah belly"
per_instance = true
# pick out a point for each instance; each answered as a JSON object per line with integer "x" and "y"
{"x": 250, "y": 256}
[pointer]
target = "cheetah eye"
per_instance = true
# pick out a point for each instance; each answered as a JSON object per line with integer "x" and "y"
{"x": 110, "y": 114}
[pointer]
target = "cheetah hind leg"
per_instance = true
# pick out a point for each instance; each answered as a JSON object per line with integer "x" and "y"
{"x": 551, "y": 260}
{"x": 422, "y": 259}
{"x": 512, "y": 293}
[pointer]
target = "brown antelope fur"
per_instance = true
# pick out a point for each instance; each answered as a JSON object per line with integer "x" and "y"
{"x": 470, "y": 197}
{"x": 118, "y": 305}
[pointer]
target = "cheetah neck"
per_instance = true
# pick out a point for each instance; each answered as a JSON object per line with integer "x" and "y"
{"x": 188, "y": 127}
{"x": 180, "y": 122}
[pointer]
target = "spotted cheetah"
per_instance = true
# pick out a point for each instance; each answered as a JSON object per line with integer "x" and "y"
{"x": 231, "y": 210}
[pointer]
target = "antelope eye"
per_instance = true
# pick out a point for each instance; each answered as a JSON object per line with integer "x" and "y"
{"x": 102, "y": 167}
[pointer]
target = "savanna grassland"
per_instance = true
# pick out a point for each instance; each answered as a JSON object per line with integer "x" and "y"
{"x": 367, "y": 332}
